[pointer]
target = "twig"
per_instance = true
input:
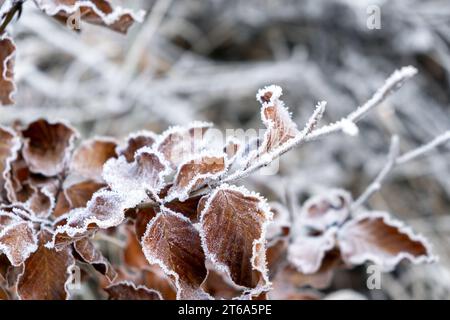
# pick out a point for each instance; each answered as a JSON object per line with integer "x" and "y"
{"x": 394, "y": 160}
{"x": 268, "y": 158}
{"x": 392, "y": 84}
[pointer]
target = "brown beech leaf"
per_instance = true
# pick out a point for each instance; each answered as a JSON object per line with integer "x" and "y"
{"x": 42, "y": 199}
{"x": 104, "y": 210}
{"x": 133, "y": 255}
{"x": 46, "y": 273}
{"x": 172, "y": 242}
{"x": 233, "y": 224}
{"x": 9, "y": 147}
{"x": 143, "y": 217}
{"x": 195, "y": 173}
{"x": 47, "y": 146}
{"x": 7, "y": 86}
{"x": 155, "y": 278}
{"x": 3, "y": 294}
{"x": 134, "y": 180}
{"x": 188, "y": 208}
{"x": 89, "y": 158}
{"x": 127, "y": 290}
{"x": 325, "y": 210}
{"x": 90, "y": 254}
{"x": 276, "y": 255}
{"x": 79, "y": 194}
{"x": 218, "y": 285}
{"x": 17, "y": 238}
{"x": 375, "y": 236}
{"x": 136, "y": 141}
{"x": 179, "y": 144}
{"x": 277, "y": 119}
{"x": 98, "y": 12}
{"x": 306, "y": 252}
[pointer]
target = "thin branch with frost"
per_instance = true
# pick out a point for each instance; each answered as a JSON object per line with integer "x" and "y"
{"x": 266, "y": 159}
{"x": 394, "y": 160}
{"x": 347, "y": 124}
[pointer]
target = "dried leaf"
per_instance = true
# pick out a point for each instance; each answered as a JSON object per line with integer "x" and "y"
{"x": 135, "y": 142}
{"x": 46, "y": 273}
{"x": 47, "y": 146}
{"x": 7, "y": 54}
{"x": 17, "y": 238}
{"x": 196, "y": 173}
{"x": 276, "y": 118}
{"x": 179, "y": 144}
{"x": 89, "y": 158}
{"x": 325, "y": 210}
{"x": 375, "y": 236}
{"x": 134, "y": 180}
{"x": 127, "y": 290}
{"x": 98, "y": 12}
{"x": 9, "y": 147}
{"x": 90, "y": 254}
{"x": 132, "y": 253}
{"x": 154, "y": 277}
{"x": 307, "y": 251}
{"x": 172, "y": 242}
{"x": 233, "y": 234}
{"x": 104, "y": 210}
{"x": 187, "y": 208}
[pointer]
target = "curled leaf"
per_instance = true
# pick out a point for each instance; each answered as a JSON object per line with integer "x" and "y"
{"x": 89, "y": 158}
{"x": 136, "y": 179}
{"x": 9, "y": 147}
{"x": 195, "y": 173}
{"x": 233, "y": 224}
{"x": 375, "y": 236}
{"x": 134, "y": 142}
{"x": 17, "y": 238}
{"x": 325, "y": 210}
{"x": 104, "y": 210}
{"x": 179, "y": 144}
{"x": 7, "y": 86}
{"x": 275, "y": 116}
{"x": 90, "y": 254}
{"x": 47, "y": 146}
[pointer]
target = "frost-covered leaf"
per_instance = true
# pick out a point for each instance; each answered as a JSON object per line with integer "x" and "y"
{"x": 89, "y": 158}
{"x": 172, "y": 242}
{"x": 134, "y": 142}
{"x": 188, "y": 208}
{"x": 233, "y": 224}
{"x": 133, "y": 255}
{"x": 195, "y": 173}
{"x": 127, "y": 290}
{"x": 179, "y": 144}
{"x": 104, "y": 210}
{"x": 75, "y": 196}
{"x": 136, "y": 179}
{"x": 155, "y": 278}
{"x": 9, "y": 147}
{"x": 325, "y": 210}
{"x": 98, "y": 12}
{"x": 46, "y": 272}
{"x": 90, "y": 254}
{"x": 7, "y": 86}
{"x": 307, "y": 251}
{"x": 281, "y": 222}
{"x": 42, "y": 199}
{"x": 47, "y": 146}
{"x": 276, "y": 254}
{"x": 218, "y": 285}
{"x": 277, "y": 119}
{"x": 377, "y": 237}
{"x": 17, "y": 238}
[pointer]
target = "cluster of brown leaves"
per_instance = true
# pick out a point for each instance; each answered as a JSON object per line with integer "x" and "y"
{"x": 98, "y": 12}
{"x": 190, "y": 234}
